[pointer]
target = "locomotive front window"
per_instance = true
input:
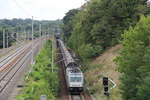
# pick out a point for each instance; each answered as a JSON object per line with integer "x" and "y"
{"x": 75, "y": 79}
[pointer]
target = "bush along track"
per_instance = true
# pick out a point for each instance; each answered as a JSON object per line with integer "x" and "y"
{"x": 41, "y": 81}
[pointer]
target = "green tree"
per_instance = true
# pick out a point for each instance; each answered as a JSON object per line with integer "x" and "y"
{"x": 68, "y": 23}
{"x": 133, "y": 62}
{"x": 101, "y": 22}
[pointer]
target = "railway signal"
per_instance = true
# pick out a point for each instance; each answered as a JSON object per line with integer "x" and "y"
{"x": 106, "y": 89}
{"x": 105, "y": 83}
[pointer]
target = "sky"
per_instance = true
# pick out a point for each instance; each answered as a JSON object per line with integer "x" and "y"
{"x": 39, "y": 9}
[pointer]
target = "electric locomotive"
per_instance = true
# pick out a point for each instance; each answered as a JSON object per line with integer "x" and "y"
{"x": 73, "y": 74}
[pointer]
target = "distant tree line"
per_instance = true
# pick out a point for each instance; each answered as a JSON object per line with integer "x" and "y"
{"x": 24, "y": 25}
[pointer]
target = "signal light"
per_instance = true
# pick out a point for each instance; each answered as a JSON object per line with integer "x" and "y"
{"x": 106, "y": 88}
{"x": 105, "y": 81}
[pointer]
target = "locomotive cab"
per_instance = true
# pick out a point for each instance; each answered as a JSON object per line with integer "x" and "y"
{"x": 75, "y": 80}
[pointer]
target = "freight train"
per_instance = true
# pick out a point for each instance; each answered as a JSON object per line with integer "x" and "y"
{"x": 73, "y": 74}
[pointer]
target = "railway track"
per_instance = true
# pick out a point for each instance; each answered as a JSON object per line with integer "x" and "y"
{"x": 9, "y": 74}
{"x": 64, "y": 93}
{"x": 76, "y": 97}
{"x": 4, "y": 62}
{"x": 8, "y": 65}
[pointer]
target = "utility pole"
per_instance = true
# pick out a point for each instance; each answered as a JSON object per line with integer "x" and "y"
{"x": 19, "y": 31}
{"x": 52, "y": 53}
{"x": 40, "y": 36}
{"x": 17, "y": 40}
{"x": 17, "y": 37}
{"x": 7, "y": 39}
{"x": 45, "y": 36}
{"x": 25, "y": 36}
{"x": 28, "y": 36}
{"x": 47, "y": 33}
{"x": 3, "y": 38}
{"x": 32, "y": 44}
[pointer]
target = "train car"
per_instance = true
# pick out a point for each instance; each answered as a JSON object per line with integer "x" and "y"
{"x": 67, "y": 58}
{"x": 73, "y": 74}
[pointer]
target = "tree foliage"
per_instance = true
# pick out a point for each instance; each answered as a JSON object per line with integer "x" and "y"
{"x": 19, "y": 25}
{"x": 68, "y": 23}
{"x": 101, "y": 22}
{"x": 134, "y": 62}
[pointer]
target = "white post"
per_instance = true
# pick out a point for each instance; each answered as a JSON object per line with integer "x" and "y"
{"x": 45, "y": 37}
{"x": 25, "y": 36}
{"x": 32, "y": 44}
{"x": 16, "y": 37}
{"x": 7, "y": 39}
{"x": 40, "y": 37}
{"x": 48, "y": 33}
{"x": 148, "y": 3}
{"x": 3, "y": 38}
{"x": 52, "y": 53}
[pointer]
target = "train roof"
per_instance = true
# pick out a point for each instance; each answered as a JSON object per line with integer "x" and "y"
{"x": 69, "y": 61}
{"x": 74, "y": 70}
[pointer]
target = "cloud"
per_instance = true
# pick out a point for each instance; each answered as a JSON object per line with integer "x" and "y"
{"x": 40, "y": 9}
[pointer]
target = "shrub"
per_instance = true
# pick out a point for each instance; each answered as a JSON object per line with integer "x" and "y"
{"x": 42, "y": 80}
{"x": 88, "y": 51}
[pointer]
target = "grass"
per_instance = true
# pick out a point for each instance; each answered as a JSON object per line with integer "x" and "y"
{"x": 99, "y": 67}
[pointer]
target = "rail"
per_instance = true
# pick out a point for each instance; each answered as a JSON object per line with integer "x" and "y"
{"x": 9, "y": 67}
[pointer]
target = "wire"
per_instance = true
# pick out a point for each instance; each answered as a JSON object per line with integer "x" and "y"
{"x": 19, "y": 6}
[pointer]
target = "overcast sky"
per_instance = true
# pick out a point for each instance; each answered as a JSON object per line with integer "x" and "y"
{"x": 40, "y": 9}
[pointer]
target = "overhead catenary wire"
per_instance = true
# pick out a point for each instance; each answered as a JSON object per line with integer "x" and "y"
{"x": 32, "y": 25}
{"x": 22, "y": 8}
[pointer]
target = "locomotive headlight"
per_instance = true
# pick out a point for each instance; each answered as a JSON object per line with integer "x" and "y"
{"x": 71, "y": 85}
